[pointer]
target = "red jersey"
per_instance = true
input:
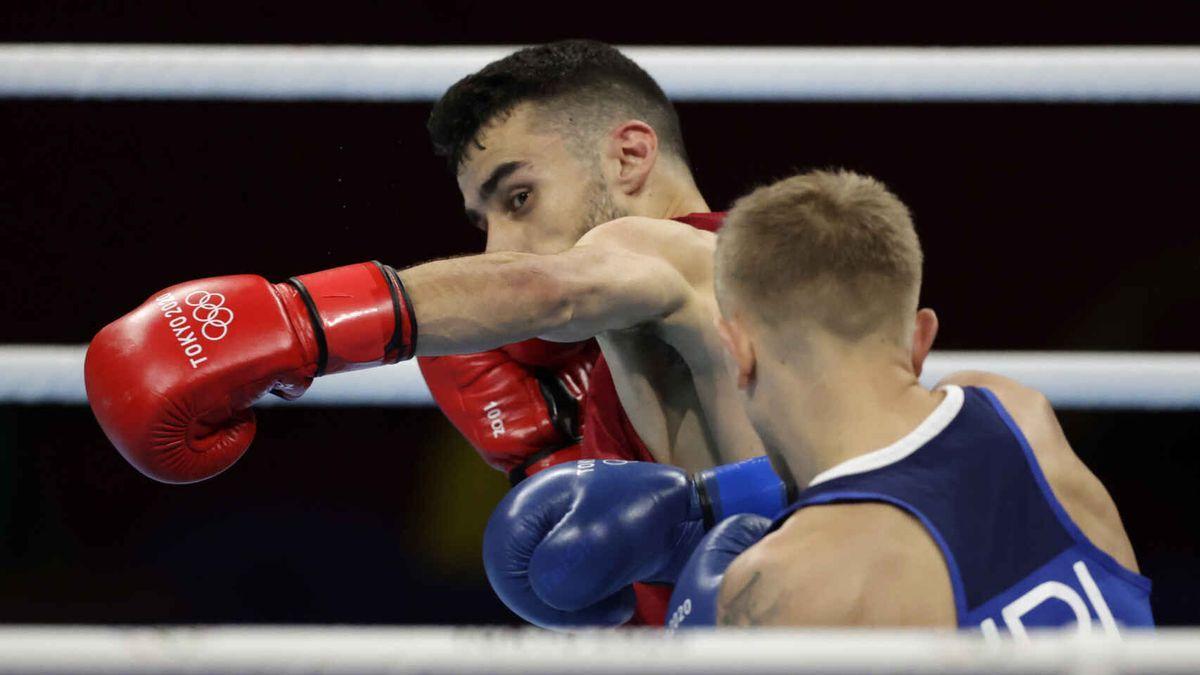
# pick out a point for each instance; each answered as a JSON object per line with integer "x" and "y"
{"x": 607, "y": 431}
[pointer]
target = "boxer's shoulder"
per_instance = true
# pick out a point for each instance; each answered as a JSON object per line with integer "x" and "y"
{"x": 640, "y": 231}
{"x": 840, "y": 564}
{"x": 1028, "y": 407}
{"x": 1018, "y": 398}
{"x": 1073, "y": 484}
{"x": 1034, "y": 417}
{"x": 687, "y": 249}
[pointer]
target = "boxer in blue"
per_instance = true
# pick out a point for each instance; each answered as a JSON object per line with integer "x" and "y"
{"x": 961, "y": 506}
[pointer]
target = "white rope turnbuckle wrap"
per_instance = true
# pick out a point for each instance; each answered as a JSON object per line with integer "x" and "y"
{"x": 1063, "y": 74}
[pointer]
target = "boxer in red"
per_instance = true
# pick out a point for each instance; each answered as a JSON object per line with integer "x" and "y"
{"x": 546, "y": 144}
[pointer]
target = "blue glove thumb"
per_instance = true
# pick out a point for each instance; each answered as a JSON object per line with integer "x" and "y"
{"x": 694, "y": 601}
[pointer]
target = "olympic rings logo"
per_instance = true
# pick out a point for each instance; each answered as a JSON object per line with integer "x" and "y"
{"x": 211, "y": 312}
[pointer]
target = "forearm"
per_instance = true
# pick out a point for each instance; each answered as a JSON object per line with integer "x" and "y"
{"x": 480, "y": 302}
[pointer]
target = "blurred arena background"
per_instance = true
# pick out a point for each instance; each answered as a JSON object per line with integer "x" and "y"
{"x": 1064, "y": 226}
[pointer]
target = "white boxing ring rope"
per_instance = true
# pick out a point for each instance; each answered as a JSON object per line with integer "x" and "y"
{"x": 53, "y": 374}
{"x": 337, "y": 650}
{"x": 258, "y": 72}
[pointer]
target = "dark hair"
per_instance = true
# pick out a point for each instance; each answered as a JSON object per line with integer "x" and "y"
{"x": 574, "y": 74}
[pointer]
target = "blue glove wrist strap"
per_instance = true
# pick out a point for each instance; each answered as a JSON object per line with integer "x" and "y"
{"x": 749, "y": 486}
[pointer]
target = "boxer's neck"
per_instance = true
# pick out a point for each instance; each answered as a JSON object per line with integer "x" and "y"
{"x": 836, "y": 406}
{"x": 669, "y": 193}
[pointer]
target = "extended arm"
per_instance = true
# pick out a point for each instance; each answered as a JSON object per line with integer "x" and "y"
{"x": 484, "y": 301}
{"x": 172, "y": 381}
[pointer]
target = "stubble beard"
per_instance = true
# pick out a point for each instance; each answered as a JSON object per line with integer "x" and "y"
{"x": 600, "y": 207}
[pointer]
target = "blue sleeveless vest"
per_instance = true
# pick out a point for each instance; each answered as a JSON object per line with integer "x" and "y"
{"x": 1016, "y": 559}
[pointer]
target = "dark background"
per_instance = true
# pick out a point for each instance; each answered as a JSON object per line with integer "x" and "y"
{"x": 1045, "y": 227}
{"x": 748, "y": 22}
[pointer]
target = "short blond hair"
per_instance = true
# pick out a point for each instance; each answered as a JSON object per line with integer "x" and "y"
{"x": 834, "y": 247}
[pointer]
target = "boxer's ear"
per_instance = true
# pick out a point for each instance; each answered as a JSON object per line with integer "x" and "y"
{"x": 923, "y": 335}
{"x": 737, "y": 343}
{"x": 634, "y": 147}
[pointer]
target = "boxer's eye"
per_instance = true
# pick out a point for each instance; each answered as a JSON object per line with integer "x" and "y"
{"x": 518, "y": 200}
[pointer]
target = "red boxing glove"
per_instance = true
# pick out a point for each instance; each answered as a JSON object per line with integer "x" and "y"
{"x": 519, "y": 405}
{"x": 171, "y": 383}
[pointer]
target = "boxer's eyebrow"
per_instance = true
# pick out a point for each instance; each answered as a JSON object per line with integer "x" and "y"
{"x": 498, "y": 174}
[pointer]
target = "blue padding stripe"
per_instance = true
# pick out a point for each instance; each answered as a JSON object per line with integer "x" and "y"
{"x": 749, "y": 486}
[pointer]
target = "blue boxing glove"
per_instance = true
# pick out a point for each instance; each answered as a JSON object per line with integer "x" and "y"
{"x": 694, "y": 601}
{"x": 563, "y": 548}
